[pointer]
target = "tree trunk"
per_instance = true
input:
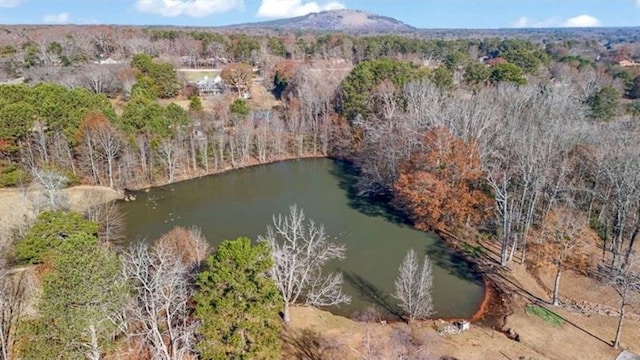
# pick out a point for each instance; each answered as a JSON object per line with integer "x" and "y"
{"x": 556, "y": 287}
{"x": 616, "y": 341}
{"x": 285, "y": 314}
{"x": 94, "y": 352}
{"x": 504, "y": 250}
{"x": 110, "y": 165}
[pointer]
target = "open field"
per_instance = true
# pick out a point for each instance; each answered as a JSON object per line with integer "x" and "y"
{"x": 197, "y": 74}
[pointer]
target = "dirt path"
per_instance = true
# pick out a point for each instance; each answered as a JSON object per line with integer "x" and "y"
{"x": 19, "y": 205}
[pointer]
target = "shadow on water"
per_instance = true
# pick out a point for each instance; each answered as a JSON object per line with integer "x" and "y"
{"x": 347, "y": 175}
{"x": 453, "y": 262}
{"x": 379, "y": 206}
{"x": 371, "y": 293}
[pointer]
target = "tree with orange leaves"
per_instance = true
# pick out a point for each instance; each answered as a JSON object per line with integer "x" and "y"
{"x": 238, "y": 76}
{"x": 283, "y": 73}
{"x": 440, "y": 187}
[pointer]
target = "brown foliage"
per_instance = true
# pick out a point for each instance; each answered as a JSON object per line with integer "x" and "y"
{"x": 95, "y": 124}
{"x": 189, "y": 244}
{"x": 286, "y": 68}
{"x": 238, "y": 76}
{"x": 440, "y": 186}
{"x": 564, "y": 240}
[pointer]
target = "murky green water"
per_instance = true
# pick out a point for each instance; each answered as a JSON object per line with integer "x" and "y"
{"x": 241, "y": 203}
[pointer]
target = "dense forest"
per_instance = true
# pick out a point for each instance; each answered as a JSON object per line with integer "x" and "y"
{"x": 532, "y": 144}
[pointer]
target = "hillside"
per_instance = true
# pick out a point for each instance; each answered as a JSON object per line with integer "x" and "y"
{"x": 333, "y": 20}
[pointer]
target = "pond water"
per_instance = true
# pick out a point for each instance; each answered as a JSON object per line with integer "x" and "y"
{"x": 242, "y": 202}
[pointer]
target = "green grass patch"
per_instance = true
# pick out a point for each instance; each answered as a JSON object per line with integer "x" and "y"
{"x": 548, "y": 316}
{"x": 198, "y": 74}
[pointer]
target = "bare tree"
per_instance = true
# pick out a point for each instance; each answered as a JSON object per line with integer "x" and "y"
{"x": 110, "y": 219}
{"x": 300, "y": 250}
{"x": 52, "y": 184}
{"x": 169, "y": 151}
{"x": 413, "y": 286}
{"x": 100, "y": 79}
{"x": 626, "y": 282}
{"x": 163, "y": 284}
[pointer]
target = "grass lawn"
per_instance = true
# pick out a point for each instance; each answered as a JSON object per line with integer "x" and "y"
{"x": 194, "y": 75}
{"x": 548, "y": 316}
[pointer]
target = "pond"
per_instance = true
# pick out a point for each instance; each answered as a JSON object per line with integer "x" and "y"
{"x": 242, "y": 202}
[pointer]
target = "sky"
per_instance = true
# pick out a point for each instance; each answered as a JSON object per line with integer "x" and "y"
{"x": 419, "y": 13}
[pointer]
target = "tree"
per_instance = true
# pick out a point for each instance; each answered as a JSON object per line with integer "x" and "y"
{"x": 476, "y": 73}
{"x": 81, "y": 297}
{"x": 442, "y": 78}
{"x": 195, "y": 104}
{"x": 238, "y": 76}
{"x": 563, "y": 242}
{"x": 524, "y": 59}
{"x": 634, "y": 89}
{"x": 16, "y": 121}
{"x": 300, "y": 251}
{"x": 188, "y": 243}
{"x": 282, "y": 77}
{"x": 507, "y": 72}
{"x": 240, "y": 107}
{"x": 110, "y": 220}
{"x": 440, "y": 187}
{"x": 625, "y": 280}
{"x": 237, "y": 303}
{"x": 162, "y": 74}
{"x": 358, "y": 87}
{"x": 604, "y": 103}
{"x": 49, "y": 231}
{"x": 102, "y": 143}
{"x": 162, "y": 285}
{"x": 52, "y": 183}
{"x": 413, "y": 286}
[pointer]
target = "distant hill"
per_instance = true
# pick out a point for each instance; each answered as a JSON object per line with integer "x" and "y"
{"x": 350, "y": 21}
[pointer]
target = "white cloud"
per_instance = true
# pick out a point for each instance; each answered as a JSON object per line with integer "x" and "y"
{"x": 291, "y": 8}
{"x": 9, "y": 3}
{"x": 193, "y": 8}
{"x": 56, "y": 18}
{"x": 638, "y": 3}
{"x": 576, "y": 21}
{"x": 525, "y": 22}
{"x": 582, "y": 21}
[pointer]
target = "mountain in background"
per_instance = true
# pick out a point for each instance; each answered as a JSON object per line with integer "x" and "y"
{"x": 332, "y": 20}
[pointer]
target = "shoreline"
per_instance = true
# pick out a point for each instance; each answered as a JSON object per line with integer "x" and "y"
{"x": 491, "y": 291}
{"x": 78, "y": 195}
{"x": 250, "y": 164}
{"x": 493, "y": 307}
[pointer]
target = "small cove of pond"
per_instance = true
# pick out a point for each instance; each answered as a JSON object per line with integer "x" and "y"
{"x": 242, "y": 202}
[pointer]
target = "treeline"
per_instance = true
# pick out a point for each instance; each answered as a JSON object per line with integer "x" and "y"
{"x": 59, "y": 46}
{"x": 83, "y": 136}
{"x": 533, "y": 167}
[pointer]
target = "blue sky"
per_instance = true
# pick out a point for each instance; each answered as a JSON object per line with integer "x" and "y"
{"x": 419, "y": 13}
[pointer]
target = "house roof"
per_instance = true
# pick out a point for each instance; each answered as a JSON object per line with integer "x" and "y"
{"x": 627, "y": 355}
